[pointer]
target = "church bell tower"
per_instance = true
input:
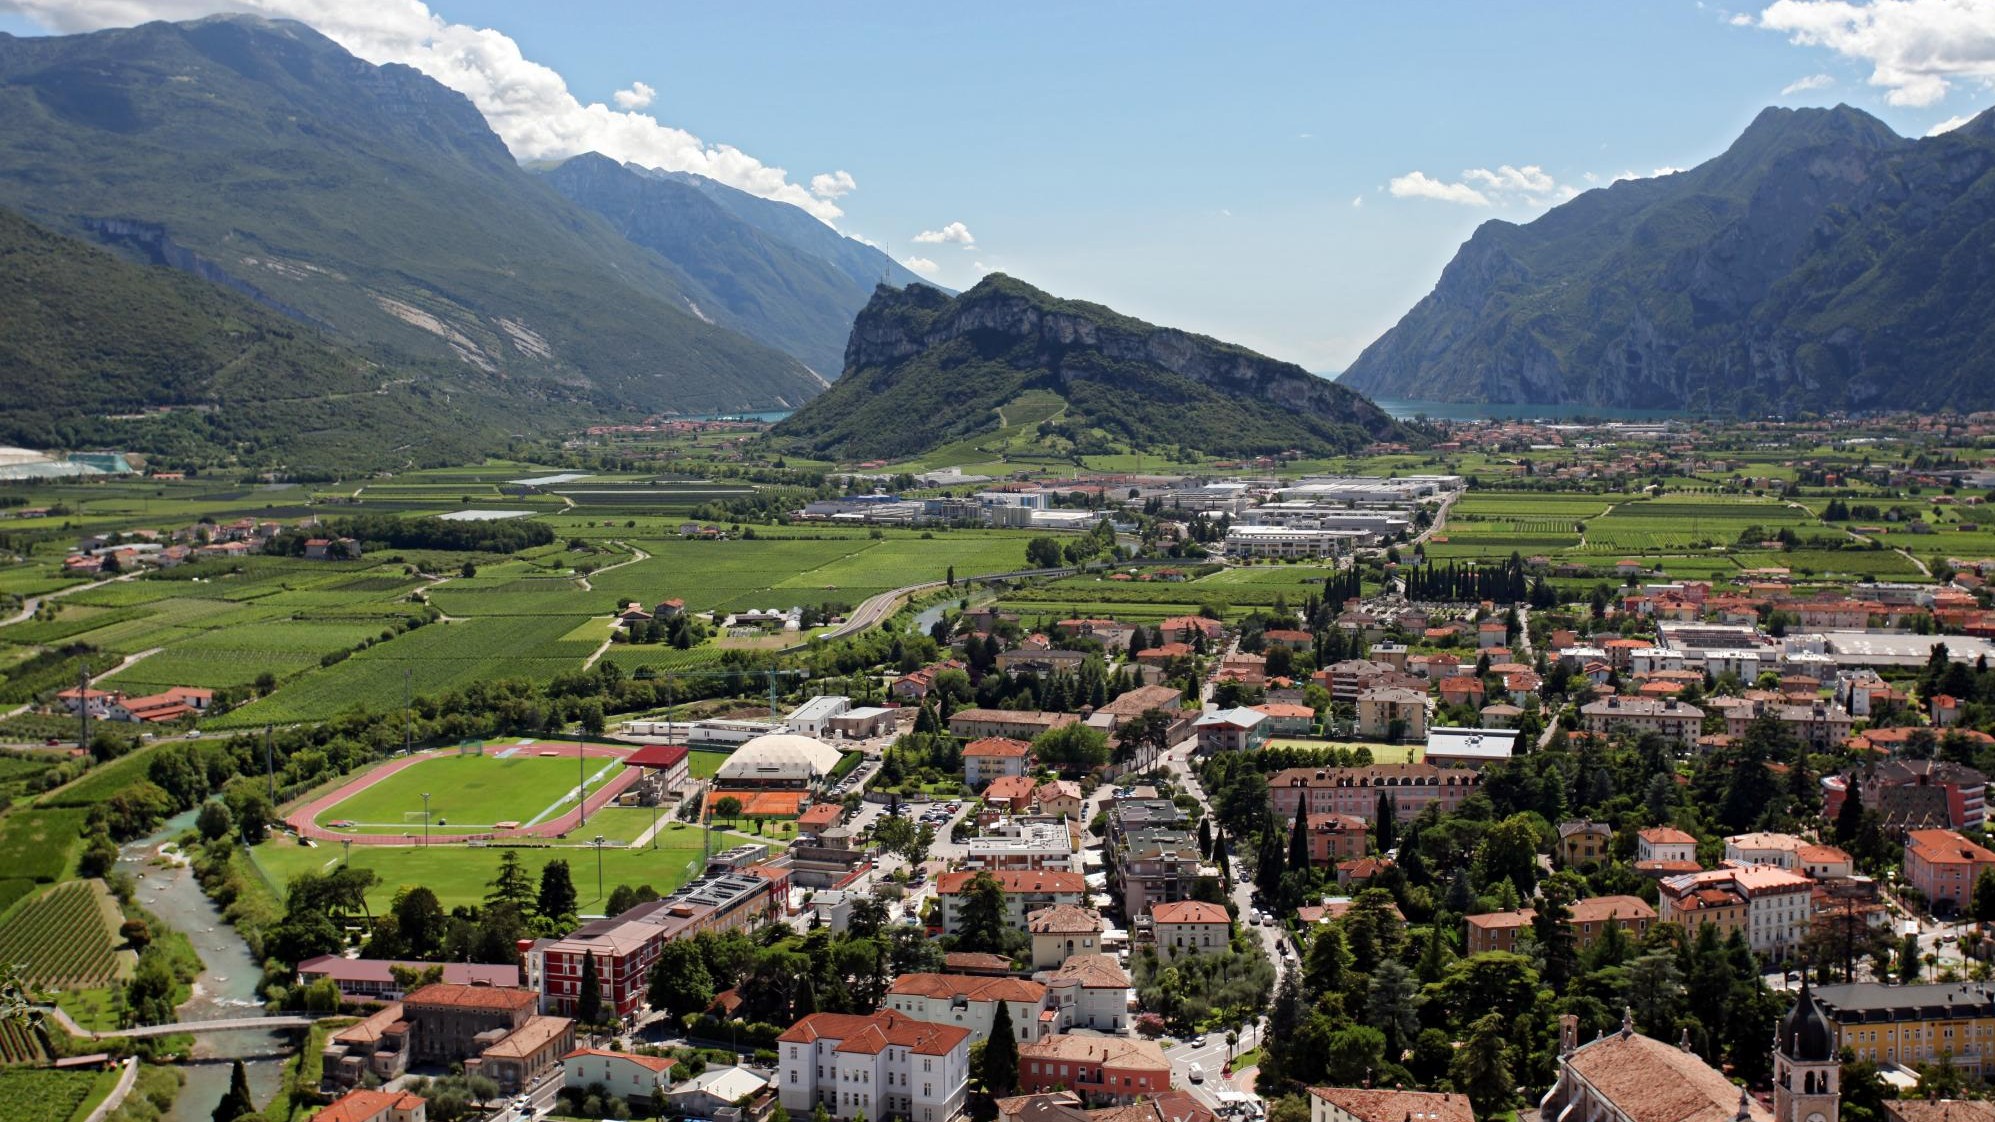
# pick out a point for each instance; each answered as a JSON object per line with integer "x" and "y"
{"x": 1807, "y": 1074}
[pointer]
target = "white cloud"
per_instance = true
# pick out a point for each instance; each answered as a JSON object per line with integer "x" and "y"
{"x": 1656, "y": 173}
{"x": 922, "y": 265}
{"x": 1418, "y": 185}
{"x": 1357, "y": 200}
{"x": 527, "y": 104}
{"x": 1950, "y": 124}
{"x": 830, "y": 185}
{"x": 1529, "y": 186}
{"x": 637, "y": 96}
{"x": 955, "y": 232}
{"x": 1803, "y": 85}
{"x": 1917, "y": 49}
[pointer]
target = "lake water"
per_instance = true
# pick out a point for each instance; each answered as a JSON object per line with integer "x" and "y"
{"x": 226, "y": 988}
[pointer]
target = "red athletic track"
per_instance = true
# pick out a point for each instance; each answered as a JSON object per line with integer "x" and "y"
{"x": 304, "y": 819}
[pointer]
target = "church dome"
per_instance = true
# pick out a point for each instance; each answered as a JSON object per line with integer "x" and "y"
{"x": 1805, "y": 1034}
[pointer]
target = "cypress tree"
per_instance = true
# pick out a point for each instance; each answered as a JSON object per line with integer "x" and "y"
{"x": 589, "y": 1003}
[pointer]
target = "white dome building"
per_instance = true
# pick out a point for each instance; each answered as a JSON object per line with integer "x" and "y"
{"x": 778, "y": 760}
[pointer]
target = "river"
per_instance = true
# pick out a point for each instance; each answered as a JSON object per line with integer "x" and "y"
{"x": 225, "y": 989}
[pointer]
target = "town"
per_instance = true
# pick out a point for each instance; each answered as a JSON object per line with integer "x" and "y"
{"x": 1566, "y": 764}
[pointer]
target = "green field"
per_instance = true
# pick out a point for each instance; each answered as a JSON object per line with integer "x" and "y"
{"x": 470, "y": 792}
{"x": 40, "y": 844}
{"x": 461, "y": 874}
{"x": 1381, "y": 753}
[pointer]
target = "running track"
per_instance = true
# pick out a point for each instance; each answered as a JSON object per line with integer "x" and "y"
{"x": 304, "y": 818}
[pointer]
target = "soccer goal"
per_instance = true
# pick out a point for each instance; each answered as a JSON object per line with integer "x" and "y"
{"x": 470, "y": 747}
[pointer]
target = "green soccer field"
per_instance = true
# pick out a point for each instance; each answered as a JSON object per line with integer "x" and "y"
{"x": 470, "y": 792}
{"x": 463, "y": 874}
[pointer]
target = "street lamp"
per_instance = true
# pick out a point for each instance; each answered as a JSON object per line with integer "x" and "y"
{"x": 599, "y": 867}
{"x": 425, "y": 819}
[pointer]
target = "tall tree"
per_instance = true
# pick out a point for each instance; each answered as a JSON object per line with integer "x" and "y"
{"x": 589, "y": 1003}
{"x": 1481, "y": 1067}
{"x": 1298, "y": 838}
{"x": 983, "y": 921}
{"x": 1384, "y": 828}
{"x": 1001, "y": 1055}
{"x": 237, "y": 1101}
{"x": 557, "y": 891}
{"x": 511, "y": 886}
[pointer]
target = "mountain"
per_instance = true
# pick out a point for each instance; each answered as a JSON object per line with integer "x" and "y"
{"x": 368, "y": 201}
{"x": 1822, "y": 262}
{"x": 923, "y": 369}
{"x": 773, "y": 279}
{"x": 786, "y": 223}
{"x": 102, "y": 352}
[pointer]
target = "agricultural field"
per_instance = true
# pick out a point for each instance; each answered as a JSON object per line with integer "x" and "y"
{"x": 66, "y": 938}
{"x": 469, "y": 792}
{"x": 19, "y": 1044}
{"x": 40, "y": 845}
{"x": 45, "y": 1095}
{"x": 461, "y": 874}
{"x": 1688, "y": 522}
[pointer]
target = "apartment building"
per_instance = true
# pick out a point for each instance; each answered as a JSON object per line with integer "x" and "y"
{"x": 878, "y": 1066}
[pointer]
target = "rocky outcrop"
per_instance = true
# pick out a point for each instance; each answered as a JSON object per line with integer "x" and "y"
{"x": 923, "y": 369}
{"x": 1818, "y": 260}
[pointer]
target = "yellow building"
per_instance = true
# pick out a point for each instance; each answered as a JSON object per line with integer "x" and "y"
{"x": 1914, "y": 1024}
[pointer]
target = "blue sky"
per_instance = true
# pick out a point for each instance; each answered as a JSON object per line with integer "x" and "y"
{"x": 1197, "y": 164}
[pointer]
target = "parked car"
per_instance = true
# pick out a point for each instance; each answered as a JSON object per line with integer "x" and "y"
{"x": 1197, "y": 1074}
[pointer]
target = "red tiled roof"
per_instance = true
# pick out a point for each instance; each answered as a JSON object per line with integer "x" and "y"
{"x": 1189, "y": 911}
{"x": 873, "y": 1032}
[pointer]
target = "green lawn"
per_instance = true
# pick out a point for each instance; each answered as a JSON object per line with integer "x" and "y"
{"x": 461, "y": 874}
{"x": 471, "y": 792}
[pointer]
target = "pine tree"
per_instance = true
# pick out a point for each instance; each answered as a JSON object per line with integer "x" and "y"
{"x": 1849, "y": 816}
{"x": 1382, "y": 822}
{"x": 557, "y": 891}
{"x": 512, "y": 886}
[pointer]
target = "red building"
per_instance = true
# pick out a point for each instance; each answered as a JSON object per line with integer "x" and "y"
{"x": 1335, "y": 837}
{"x": 1944, "y": 865}
{"x": 1098, "y": 1068}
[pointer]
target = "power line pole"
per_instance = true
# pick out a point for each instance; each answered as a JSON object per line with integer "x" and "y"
{"x": 83, "y": 707}
{"x": 581, "y": 785}
{"x": 408, "y": 732}
{"x": 269, "y": 769}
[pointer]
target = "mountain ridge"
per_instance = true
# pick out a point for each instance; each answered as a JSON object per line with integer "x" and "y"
{"x": 923, "y": 368}
{"x": 368, "y": 200}
{"x": 1798, "y": 269}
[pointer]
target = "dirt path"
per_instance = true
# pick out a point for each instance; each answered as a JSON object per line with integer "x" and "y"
{"x": 636, "y": 555}
{"x": 33, "y": 603}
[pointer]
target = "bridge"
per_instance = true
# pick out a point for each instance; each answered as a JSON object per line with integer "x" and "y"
{"x": 192, "y": 1028}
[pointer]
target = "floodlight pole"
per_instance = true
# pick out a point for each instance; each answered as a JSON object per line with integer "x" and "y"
{"x": 581, "y": 786}
{"x": 425, "y": 819}
{"x": 599, "y": 866}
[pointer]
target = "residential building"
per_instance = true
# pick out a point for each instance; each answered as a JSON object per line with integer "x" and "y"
{"x": 1634, "y": 716}
{"x": 1943, "y": 866}
{"x": 1113, "y": 1069}
{"x": 627, "y": 1075}
{"x": 1347, "y": 679}
{"x": 1335, "y": 837}
{"x": 373, "y": 979}
{"x": 1779, "y": 903}
{"x": 1356, "y": 790}
{"x": 1023, "y": 843}
{"x": 1059, "y": 798}
{"x": 1025, "y": 891}
{"x": 1913, "y": 1024}
{"x": 1190, "y": 927}
{"x": 880, "y": 1065}
{"x": 1151, "y": 865}
{"x": 1014, "y": 724}
{"x": 1914, "y": 794}
{"x": 1010, "y": 794}
{"x": 1821, "y": 725}
{"x": 363, "y": 1105}
{"x": 493, "y": 1032}
{"x": 1392, "y": 713}
{"x": 1376, "y": 1104}
{"x": 1091, "y": 991}
{"x": 1664, "y": 843}
{"x": 1583, "y": 842}
{"x": 625, "y": 946}
{"x": 1286, "y": 718}
{"x": 1589, "y": 920}
{"x": 1061, "y": 932}
{"x": 1232, "y": 730}
{"x": 1764, "y": 849}
{"x": 970, "y": 1001}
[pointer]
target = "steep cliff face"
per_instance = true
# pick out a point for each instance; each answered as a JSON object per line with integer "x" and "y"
{"x": 1818, "y": 260}
{"x": 922, "y": 368}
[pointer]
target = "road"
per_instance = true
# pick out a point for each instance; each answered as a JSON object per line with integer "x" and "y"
{"x": 878, "y": 609}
